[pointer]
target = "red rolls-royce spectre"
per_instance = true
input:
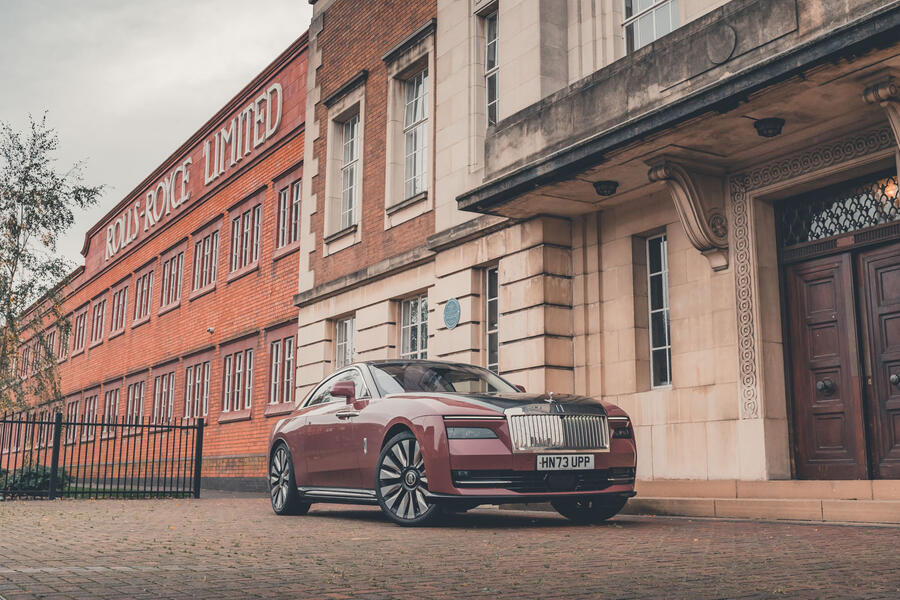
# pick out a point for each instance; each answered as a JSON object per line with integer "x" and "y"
{"x": 420, "y": 438}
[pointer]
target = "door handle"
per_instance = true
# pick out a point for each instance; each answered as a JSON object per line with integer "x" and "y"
{"x": 346, "y": 414}
{"x": 894, "y": 379}
{"x": 825, "y": 386}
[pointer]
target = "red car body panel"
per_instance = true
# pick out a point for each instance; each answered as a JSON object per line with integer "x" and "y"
{"x": 333, "y": 452}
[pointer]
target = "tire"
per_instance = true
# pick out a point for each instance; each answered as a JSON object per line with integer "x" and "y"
{"x": 400, "y": 481}
{"x": 282, "y": 485}
{"x": 589, "y": 510}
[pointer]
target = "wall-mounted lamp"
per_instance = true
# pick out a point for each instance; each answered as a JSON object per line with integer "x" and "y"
{"x": 606, "y": 188}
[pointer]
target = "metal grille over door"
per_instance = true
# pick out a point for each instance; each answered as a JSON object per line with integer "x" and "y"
{"x": 843, "y": 208}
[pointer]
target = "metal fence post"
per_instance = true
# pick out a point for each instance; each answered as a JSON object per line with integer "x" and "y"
{"x": 198, "y": 457}
{"x": 54, "y": 461}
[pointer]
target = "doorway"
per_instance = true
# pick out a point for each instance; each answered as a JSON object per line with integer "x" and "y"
{"x": 840, "y": 249}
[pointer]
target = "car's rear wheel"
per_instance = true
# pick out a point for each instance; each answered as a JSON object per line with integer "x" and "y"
{"x": 401, "y": 482}
{"x": 282, "y": 485}
{"x": 589, "y": 510}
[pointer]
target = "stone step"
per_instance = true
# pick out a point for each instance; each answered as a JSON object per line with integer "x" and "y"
{"x": 795, "y": 509}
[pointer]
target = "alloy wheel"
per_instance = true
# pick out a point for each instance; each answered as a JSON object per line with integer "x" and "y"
{"x": 280, "y": 478}
{"x": 402, "y": 480}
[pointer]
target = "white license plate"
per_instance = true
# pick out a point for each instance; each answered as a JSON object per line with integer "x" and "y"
{"x": 565, "y": 462}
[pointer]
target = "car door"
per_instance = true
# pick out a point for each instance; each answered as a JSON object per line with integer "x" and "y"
{"x": 331, "y": 459}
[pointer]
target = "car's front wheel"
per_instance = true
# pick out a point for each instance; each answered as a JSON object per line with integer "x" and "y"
{"x": 401, "y": 482}
{"x": 589, "y": 510}
{"x": 282, "y": 485}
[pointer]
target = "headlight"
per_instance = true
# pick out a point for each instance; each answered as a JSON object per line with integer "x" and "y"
{"x": 470, "y": 433}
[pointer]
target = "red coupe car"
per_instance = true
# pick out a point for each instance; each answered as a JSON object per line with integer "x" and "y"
{"x": 421, "y": 437}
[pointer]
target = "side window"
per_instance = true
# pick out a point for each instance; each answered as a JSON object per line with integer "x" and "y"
{"x": 323, "y": 394}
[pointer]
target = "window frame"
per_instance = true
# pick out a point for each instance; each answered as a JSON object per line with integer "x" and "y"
{"x": 280, "y": 389}
{"x": 326, "y": 384}
{"x": 111, "y": 398}
{"x": 163, "y": 407}
{"x": 79, "y": 339}
{"x": 144, "y": 280}
{"x": 632, "y": 21}
{"x": 287, "y": 212}
{"x": 420, "y": 326}
{"x": 197, "y": 378}
{"x": 344, "y": 324}
{"x": 349, "y": 103}
{"x": 239, "y": 363}
{"x": 663, "y": 273}
{"x": 491, "y": 72}
{"x": 420, "y": 127}
{"x": 90, "y": 402}
{"x": 245, "y": 220}
{"x": 119, "y": 308}
{"x": 205, "y": 261}
{"x": 174, "y": 257}
{"x": 98, "y": 314}
{"x": 490, "y": 330}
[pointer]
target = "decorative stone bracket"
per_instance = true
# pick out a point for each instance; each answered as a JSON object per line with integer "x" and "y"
{"x": 887, "y": 94}
{"x": 699, "y": 195}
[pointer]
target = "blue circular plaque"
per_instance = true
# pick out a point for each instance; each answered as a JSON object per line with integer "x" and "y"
{"x": 451, "y": 313}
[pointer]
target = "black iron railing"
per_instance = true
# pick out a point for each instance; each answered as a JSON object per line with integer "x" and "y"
{"x": 41, "y": 458}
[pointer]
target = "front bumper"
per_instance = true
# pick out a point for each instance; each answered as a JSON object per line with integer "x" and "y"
{"x": 485, "y": 497}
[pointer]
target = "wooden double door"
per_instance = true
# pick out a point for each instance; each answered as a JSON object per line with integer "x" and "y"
{"x": 844, "y": 326}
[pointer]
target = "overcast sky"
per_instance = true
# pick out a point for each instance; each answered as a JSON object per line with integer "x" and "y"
{"x": 126, "y": 83}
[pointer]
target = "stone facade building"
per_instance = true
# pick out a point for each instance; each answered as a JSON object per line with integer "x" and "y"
{"x": 686, "y": 207}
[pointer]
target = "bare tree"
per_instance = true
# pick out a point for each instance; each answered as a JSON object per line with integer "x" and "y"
{"x": 37, "y": 205}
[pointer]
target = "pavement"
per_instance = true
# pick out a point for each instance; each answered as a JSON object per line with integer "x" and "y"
{"x": 233, "y": 546}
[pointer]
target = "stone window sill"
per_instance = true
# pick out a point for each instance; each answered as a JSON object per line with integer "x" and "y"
{"x": 235, "y": 416}
{"x": 115, "y": 334}
{"x": 340, "y": 234}
{"x": 138, "y": 322}
{"x": 277, "y": 410}
{"x": 163, "y": 310}
{"x": 235, "y": 275}
{"x": 202, "y": 291}
{"x": 285, "y": 250}
{"x": 411, "y": 201}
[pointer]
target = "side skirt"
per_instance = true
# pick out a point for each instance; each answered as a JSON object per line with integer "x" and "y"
{"x": 338, "y": 495}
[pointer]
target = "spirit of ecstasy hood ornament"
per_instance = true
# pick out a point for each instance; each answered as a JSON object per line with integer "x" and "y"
{"x": 550, "y": 398}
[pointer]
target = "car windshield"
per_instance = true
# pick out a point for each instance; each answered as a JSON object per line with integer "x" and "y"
{"x": 396, "y": 378}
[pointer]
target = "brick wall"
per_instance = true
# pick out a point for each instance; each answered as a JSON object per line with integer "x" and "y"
{"x": 244, "y": 307}
{"x": 348, "y": 44}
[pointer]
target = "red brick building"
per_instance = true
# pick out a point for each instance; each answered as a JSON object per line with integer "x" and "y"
{"x": 183, "y": 308}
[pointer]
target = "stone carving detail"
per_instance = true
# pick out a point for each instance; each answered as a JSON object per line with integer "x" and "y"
{"x": 741, "y": 186}
{"x": 887, "y": 94}
{"x": 698, "y": 194}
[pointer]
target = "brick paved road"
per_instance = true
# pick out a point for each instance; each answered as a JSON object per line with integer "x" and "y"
{"x": 236, "y": 548}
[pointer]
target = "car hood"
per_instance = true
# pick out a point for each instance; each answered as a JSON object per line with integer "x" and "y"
{"x": 526, "y": 403}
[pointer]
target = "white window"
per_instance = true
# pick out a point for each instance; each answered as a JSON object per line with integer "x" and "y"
{"x": 491, "y": 67}
{"x": 97, "y": 321}
{"x": 88, "y": 417}
{"x": 237, "y": 393}
{"x": 80, "y": 326}
{"x": 110, "y": 411}
{"x": 143, "y": 295}
{"x": 349, "y": 170}
{"x": 163, "y": 397}
{"x": 206, "y": 263}
{"x": 288, "y": 351}
{"x": 134, "y": 410}
{"x": 289, "y": 214}
{"x": 658, "y": 292}
{"x": 245, "y": 238}
{"x": 196, "y": 391}
{"x": 414, "y": 328}
{"x": 648, "y": 20}
{"x": 71, "y": 419}
{"x": 415, "y": 134}
{"x": 171, "y": 281}
{"x": 345, "y": 334}
{"x": 491, "y": 319}
{"x": 117, "y": 315}
{"x": 275, "y": 372}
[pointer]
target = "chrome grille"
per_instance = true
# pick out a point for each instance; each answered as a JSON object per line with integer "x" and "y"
{"x": 558, "y": 432}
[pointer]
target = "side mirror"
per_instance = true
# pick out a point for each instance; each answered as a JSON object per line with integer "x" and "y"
{"x": 345, "y": 389}
{"x": 521, "y": 388}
